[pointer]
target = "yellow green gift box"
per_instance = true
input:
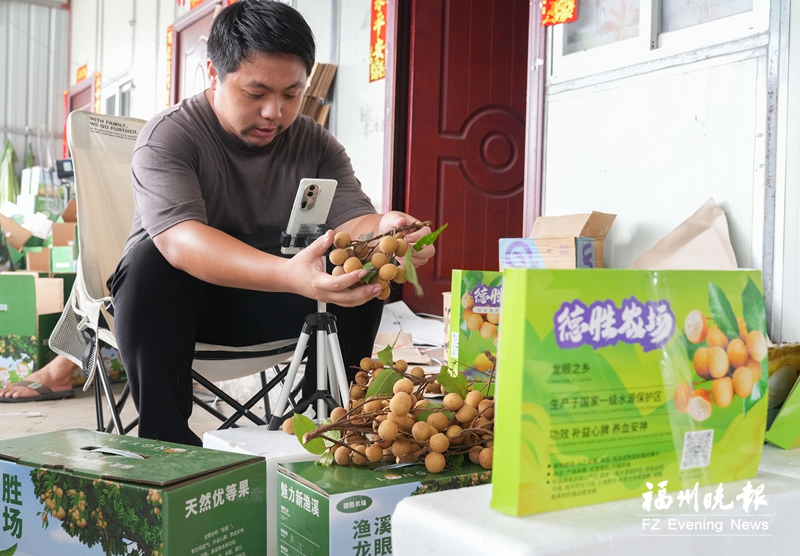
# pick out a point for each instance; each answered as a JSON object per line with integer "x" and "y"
{"x": 611, "y": 379}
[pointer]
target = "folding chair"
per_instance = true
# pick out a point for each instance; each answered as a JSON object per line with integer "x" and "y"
{"x": 102, "y": 147}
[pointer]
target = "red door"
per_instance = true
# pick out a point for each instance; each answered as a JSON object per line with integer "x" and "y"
{"x": 467, "y": 83}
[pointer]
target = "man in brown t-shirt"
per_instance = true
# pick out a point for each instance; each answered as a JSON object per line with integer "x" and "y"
{"x": 214, "y": 178}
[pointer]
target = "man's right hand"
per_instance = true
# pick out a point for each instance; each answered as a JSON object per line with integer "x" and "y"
{"x": 314, "y": 282}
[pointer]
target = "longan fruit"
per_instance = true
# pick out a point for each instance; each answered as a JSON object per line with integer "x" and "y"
{"x": 402, "y": 247}
{"x": 482, "y": 363}
{"x": 438, "y": 421}
{"x": 338, "y": 271}
{"x": 695, "y": 326}
{"x": 755, "y": 369}
{"x": 488, "y": 330}
{"x": 474, "y": 398}
{"x": 337, "y": 413}
{"x": 722, "y": 391}
{"x": 377, "y": 364}
{"x": 374, "y": 453}
{"x": 356, "y": 392}
{"x": 485, "y": 458}
{"x": 358, "y": 458}
{"x": 401, "y": 446}
{"x": 373, "y": 406}
{"x": 388, "y": 430}
{"x": 341, "y": 240}
{"x": 737, "y": 353}
{"x": 716, "y": 337}
{"x": 400, "y": 404}
{"x": 401, "y": 365}
{"x": 433, "y": 388}
{"x": 288, "y": 426}
{"x": 362, "y": 378}
{"x": 365, "y": 364}
{"x": 756, "y": 345}
{"x": 439, "y": 442}
{"x": 378, "y": 280}
{"x": 493, "y": 318}
{"x": 480, "y": 422}
{"x": 467, "y": 302}
{"x": 422, "y": 431}
{"x": 434, "y": 462}
{"x": 422, "y": 404}
{"x": 718, "y": 364}
{"x": 486, "y": 409}
{"x": 387, "y": 245}
{"x": 352, "y": 264}
{"x": 474, "y": 321}
{"x": 418, "y": 372}
{"x": 385, "y": 293}
{"x": 342, "y": 455}
{"x": 388, "y": 272}
{"x": 474, "y": 454}
{"x": 400, "y": 277}
{"x": 452, "y": 433}
{"x": 408, "y": 423}
{"x": 742, "y": 328}
{"x": 683, "y": 393}
{"x": 466, "y": 414}
{"x": 742, "y": 382}
{"x": 403, "y": 385}
{"x": 338, "y": 257}
{"x": 379, "y": 260}
{"x": 700, "y": 362}
{"x": 453, "y": 401}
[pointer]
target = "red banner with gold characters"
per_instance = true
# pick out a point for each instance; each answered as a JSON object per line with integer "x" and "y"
{"x": 559, "y": 11}
{"x": 377, "y": 41}
{"x": 96, "y": 92}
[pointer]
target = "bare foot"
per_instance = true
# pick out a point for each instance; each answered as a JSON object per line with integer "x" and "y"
{"x": 56, "y": 375}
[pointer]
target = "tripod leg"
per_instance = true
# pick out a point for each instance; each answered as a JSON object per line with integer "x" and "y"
{"x": 333, "y": 380}
{"x": 338, "y": 364}
{"x": 280, "y": 406}
{"x": 322, "y": 377}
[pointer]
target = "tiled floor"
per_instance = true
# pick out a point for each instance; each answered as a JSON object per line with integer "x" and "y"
{"x": 25, "y": 419}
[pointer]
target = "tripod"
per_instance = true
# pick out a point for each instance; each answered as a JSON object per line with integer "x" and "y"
{"x": 329, "y": 365}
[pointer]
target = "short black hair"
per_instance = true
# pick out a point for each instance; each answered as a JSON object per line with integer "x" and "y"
{"x": 264, "y": 26}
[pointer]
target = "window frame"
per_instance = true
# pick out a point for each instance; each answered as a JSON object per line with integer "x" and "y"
{"x": 651, "y": 44}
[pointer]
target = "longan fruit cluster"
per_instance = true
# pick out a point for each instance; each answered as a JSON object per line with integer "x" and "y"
{"x": 404, "y": 427}
{"x": 381, "y": 253}
{"x": 732, "y": 365}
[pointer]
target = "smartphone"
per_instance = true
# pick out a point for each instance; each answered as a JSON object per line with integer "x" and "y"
{"x": 309, "y": 214}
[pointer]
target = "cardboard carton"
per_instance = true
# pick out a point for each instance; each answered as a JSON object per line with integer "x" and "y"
{"x": 614, "y": 379}
{"x": 98, "y": 493}
{"x": 571, "y": 241}
{"x": 347, "y": 510}
{"x": 30, "y": 306}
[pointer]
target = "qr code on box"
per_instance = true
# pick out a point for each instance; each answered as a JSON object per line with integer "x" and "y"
{"x": 697, "y": 449}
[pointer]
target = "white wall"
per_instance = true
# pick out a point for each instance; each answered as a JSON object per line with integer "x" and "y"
{"x": 652, "y": 149}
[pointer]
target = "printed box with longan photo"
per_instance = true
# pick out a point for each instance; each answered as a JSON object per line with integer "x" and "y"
{"x": 474, "y": 322}
{"x": 611, "y": 380}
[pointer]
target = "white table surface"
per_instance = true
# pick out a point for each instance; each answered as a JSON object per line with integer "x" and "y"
{"x": 461, "y": 522}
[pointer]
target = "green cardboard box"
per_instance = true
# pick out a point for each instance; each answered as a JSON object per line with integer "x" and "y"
{"x": 613, "y": 381}
{"x": 30, "y": 307}
{"x": 347, "y": 510}
{"x": 83, "y": 492}
{"x": 474, "y": 321}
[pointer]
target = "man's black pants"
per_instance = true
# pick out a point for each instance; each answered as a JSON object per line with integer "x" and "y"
{"x": 160, "y": 312}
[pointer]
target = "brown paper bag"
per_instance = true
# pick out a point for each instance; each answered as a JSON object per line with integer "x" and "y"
{"x": 701, "y": 242}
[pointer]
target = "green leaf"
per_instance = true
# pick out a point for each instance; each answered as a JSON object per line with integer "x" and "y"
{"x": 428, "y": 239}
{"x": 332, "y": 435}
{"x": 456, "y": 461}
{"x": 384, "y": 384}
{"x": 722, "y": 312}
{"x": 9, "y": 551}
{"x": 411, "y": 273}
{"x": 326, "y": 460}
{"x": 753, "y": 307}
{"x": 456, "y": 383}
{"x": 758, "y": 391}
{"x": 385, "y": 356}
{"x": 690, "y": 347}
{"x": 431, "y": 408}
{"x": 302, "y": 425}
{"x": 371, "y": 273}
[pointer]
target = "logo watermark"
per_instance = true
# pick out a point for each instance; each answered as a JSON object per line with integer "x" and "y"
{"x": 707, "y": 514}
